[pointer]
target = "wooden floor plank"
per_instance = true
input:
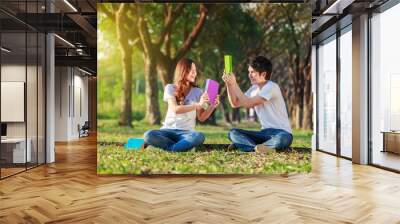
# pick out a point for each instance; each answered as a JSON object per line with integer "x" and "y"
{"x": 70, "y": 191}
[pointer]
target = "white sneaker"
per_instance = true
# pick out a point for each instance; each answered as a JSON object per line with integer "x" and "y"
{"x": 263, "y": 149}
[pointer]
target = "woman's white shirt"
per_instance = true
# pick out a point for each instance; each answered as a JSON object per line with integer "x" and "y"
{"x": 183, "y": 121}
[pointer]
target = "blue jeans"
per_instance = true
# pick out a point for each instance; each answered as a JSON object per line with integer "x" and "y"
{"x": 273, "y": 138}
{"x": 174, "y": 140}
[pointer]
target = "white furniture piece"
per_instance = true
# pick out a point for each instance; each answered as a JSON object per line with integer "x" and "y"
{"x": 12, "y": 101}
{"x": 18, "y": 150}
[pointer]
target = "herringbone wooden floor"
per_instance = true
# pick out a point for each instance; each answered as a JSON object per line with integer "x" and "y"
{"x": 69, "y": 191}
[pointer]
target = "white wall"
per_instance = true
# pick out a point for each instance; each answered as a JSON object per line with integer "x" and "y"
{"x": 81, "y": 100}
{"x": 13, "y": 73}
{"x": 61, "y": 103}
{"x": 71, "y": 94}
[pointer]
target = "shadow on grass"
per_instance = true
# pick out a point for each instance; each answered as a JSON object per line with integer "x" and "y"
{"x": 212, "y": 158}
{"x": 216, "y": 147}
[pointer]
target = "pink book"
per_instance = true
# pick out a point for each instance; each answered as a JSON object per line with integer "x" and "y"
{"x": 212, "y": 90}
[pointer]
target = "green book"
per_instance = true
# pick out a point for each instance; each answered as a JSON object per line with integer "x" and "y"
{"x": 228, "y": 64}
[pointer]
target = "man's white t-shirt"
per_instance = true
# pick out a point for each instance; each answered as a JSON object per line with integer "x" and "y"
{"x": 183, "y": 121}
{"x": 272, "y": 113}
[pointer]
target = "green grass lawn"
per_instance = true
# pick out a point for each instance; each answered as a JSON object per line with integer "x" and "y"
{"x": 114, "y": 159}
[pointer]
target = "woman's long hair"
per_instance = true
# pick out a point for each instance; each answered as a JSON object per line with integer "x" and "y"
{"x": 180, "y": 79}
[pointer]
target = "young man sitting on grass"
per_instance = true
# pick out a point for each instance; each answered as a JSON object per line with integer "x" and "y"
{"x": 266, "y": 98}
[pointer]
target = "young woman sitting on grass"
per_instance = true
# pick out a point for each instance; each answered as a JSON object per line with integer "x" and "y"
{"x": 185, "y": 102}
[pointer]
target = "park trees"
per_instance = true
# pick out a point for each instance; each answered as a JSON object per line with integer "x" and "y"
{"x": 287, "y": 41}
{"x": 228, "y": 30}
{"x": 138, "y": 28}
{"x": 161, "y": 34}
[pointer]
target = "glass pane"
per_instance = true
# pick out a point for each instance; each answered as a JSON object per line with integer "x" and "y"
{"x": 13, "y": 86}
{"x": 22, "y": 79}
{"x": 386, "y": 89}
{"x": 31, "y": 97}
{"x": 327, "y": 96}
{"x": 346, "y": 93}
{"x": 41, "y": 99}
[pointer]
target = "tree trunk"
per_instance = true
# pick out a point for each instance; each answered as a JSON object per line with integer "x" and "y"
{"x": 299, "y": 116}
{"x": 167, "y": 62}
{"x": 152, "y": 106}
{"x": 292, "y": 111}
{"x": 308, "y": 102}
{"x": 126, "y": 49}
{"x": 307, "y": 116}
{"x": 211, "y": 120}
{"x": 224, "y": 109}
{"x": 166, "y": 68}
{"x": 126, "y": 105}
{"x": 236, "y": 115}
{"x": 299, "y": 107}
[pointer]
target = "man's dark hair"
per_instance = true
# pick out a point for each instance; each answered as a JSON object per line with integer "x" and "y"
{"x": 262, "y": 64}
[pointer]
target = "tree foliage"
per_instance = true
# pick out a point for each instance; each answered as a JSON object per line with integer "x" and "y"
{"x": 281, "y": 32}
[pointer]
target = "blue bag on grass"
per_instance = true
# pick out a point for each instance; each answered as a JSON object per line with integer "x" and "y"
{"x": 134, "y": 144}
